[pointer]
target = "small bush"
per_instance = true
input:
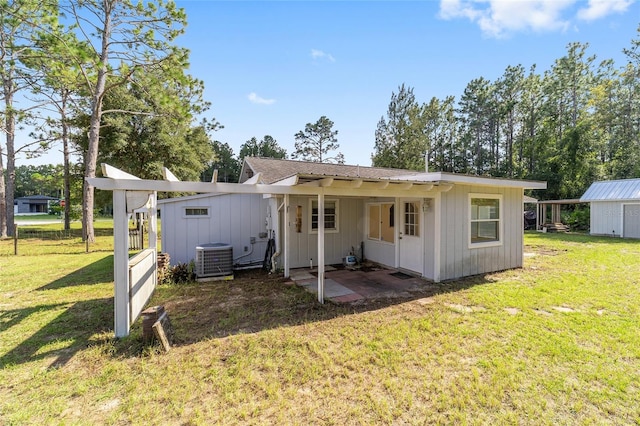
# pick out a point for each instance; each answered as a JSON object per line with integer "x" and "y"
{"x": 578, "y": 219}
{"x": 182, "y": 273}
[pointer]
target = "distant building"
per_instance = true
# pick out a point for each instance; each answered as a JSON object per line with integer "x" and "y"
{"x": 615, "y": 207}
{"x": 33, "y": 204}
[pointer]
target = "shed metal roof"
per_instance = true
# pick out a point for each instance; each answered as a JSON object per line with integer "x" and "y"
{"x": 613, "y": 190}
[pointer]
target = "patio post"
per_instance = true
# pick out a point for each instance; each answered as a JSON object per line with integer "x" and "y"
{"x": 153, "y": 222}
{"x": 284, "y": 245}
{"x": 321, "y": 246}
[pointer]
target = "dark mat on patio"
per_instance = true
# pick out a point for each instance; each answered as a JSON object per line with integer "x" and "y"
{"x": 401, "y": 275}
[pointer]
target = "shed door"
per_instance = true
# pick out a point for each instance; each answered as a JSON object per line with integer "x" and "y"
{"x": 631, "y": 221}
{"x": 411, "y": 234}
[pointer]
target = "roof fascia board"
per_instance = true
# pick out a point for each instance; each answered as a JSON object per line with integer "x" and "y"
{"x": 472, "y": 180}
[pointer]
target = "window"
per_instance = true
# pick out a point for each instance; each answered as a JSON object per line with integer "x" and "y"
{"x": 330, "y": 216}
{"x": 195, "y": 212}
{"x": 412, "y": 219}
{"x": 485, "y": 212}
{"x": 381, "y": 222}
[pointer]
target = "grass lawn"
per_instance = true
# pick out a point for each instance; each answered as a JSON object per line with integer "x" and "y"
{"x": 557, "y": 342}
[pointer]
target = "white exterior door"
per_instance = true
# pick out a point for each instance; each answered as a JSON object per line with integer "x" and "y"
{"x": 410, "y": 235}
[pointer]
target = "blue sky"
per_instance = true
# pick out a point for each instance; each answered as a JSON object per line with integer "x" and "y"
{"x": 271, "y": 67}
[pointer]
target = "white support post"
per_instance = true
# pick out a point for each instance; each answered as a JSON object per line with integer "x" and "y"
{"x": 153, "y": 221}
{"x": 321, "y": 247}
{"x": 398, "y": 216}
{"x": 153, "y": 232}
{"x": 121, "y": 264}
{"x": 284, "y": 245}
{"x": 437, "y": 210}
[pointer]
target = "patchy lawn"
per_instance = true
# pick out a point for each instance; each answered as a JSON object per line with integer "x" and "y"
{"x": 555, "y": 342}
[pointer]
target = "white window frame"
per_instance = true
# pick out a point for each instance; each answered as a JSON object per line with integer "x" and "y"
{"x": 379, "y": 205}
{"x": 195, "y": 216}
{"x": 416, "y": 215}
{"x": 500, "y": 220}
{"x": 337, "y": 214}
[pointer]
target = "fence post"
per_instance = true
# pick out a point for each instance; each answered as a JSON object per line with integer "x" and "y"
{"x": 15, "y": 239}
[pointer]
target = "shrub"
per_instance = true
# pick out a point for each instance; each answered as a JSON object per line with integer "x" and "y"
{"x": 578, "y": 219}
{"x": 183, "y": 273}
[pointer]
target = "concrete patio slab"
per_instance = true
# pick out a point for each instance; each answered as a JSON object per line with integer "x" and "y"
{"x": 344, "y": 285}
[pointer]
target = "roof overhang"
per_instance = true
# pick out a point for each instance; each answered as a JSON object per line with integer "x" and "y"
{"x": 419, "y": 185}
{"x": 473, "y": 180}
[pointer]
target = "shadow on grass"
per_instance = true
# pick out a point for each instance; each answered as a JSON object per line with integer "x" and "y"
{"x": 578, "y": 237}
{"x": 96, "y": 273}
{"x": 253, "y": 302}
{"x": 256, "y": 301}
{"x": 68, "y": 333}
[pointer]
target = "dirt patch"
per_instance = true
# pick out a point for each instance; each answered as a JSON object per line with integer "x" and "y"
{"x": 531, "y": 251}
{"x": 255, "y": 300}
{"x": 463, "y": 309}
{"x": 564, "y": 309}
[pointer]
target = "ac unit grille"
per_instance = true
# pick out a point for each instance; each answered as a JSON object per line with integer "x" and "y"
{"x": 214, "y": 260}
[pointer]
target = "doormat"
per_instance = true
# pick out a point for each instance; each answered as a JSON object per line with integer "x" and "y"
{"x": 401, "y": 275}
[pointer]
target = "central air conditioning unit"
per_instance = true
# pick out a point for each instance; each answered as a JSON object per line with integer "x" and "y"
{"x": 214, "y": 261}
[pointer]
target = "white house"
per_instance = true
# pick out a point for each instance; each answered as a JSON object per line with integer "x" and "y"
{"x": 437, "y": 225}
{"x": 615, "y": 208}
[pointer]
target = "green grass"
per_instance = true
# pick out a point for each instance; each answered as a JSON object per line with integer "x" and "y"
{"x": 34, "y": 217}
{"x": 556, "y": 342}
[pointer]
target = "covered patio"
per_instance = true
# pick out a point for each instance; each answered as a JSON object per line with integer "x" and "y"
{"x": 353, "y": 285}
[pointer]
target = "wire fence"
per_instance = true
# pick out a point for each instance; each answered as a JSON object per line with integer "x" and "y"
{"x": 58, "y": 234}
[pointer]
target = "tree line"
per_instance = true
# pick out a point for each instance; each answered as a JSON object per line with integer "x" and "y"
{"x": 575, "y": 123}
{"x": 105, "y": 80}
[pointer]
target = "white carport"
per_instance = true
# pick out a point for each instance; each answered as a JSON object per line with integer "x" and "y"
{"x": 131, "y": 193}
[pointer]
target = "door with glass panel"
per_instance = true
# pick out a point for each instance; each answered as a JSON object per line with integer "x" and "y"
{"x": 410, "y": 235}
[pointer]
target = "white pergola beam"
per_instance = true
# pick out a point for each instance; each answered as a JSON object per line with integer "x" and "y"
{"x": 166, "y": 173}
{"x": 114, "y": 173}
{"x": 230, "y": 188}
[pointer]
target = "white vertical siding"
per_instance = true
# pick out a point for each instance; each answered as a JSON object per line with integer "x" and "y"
{"x": 429, "y": 234}
{"x": 631, "y": 219}
{"x": 456, "y": 258}
{"x": 233, "y": 219}
{"x": 606, "y": 218}
{"x": 304, "y": 244}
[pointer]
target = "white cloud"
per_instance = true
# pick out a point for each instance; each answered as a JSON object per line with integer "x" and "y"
{"x": 498, "y": 18}
{"x": 597, "y": 9}
{"x": 255, "y": 99}
{"x": 319, "y": 54}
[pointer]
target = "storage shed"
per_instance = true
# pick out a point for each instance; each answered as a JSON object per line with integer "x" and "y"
{"x": 615, "y": 208}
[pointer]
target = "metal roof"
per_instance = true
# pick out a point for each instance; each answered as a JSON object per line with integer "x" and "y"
{"x": 613, "y": 190}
